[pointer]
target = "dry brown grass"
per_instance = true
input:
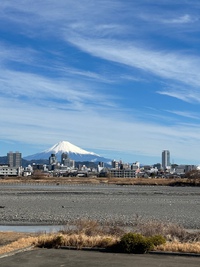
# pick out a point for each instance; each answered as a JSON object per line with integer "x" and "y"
{"x": 90, "y": 233}
{"x": 92, "y": 228}
{"x": 80, "y": 240}
{"x": 180, "y": 247}
{"x": 8, "y": 237}
{"x": 75, "y": 240}
{"x": 19, "y": 244}
{"x": 139, "y": 181}
{"x": 171, "y": 231}
{"x": 98, "y": 180}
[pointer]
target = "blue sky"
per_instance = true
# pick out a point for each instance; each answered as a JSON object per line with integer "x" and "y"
{"x": 117, "y": 77}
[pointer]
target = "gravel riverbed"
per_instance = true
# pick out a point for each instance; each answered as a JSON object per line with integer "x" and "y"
{"x": 35, "y": 204}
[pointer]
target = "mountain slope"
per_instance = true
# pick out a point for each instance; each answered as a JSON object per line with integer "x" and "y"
{"x": 76, "y": 153}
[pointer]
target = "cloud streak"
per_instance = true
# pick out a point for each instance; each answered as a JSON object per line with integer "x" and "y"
{"x": 181, "y": 20}
{"x": 174, "y": 66}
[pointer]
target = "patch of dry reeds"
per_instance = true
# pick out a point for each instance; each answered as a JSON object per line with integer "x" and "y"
{"x": 75, "y": 240}
{"x": 82, "y": 240}
{"x": 180, "y": 247}
{"x": 90, "y": 233}
{"x": 171, "y": 231}
{"x": 92, "y": 228}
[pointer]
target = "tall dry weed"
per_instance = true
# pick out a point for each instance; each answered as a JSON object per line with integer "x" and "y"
{"x": 75, "y": 240}
{"x": 180, "y": 247}
{"x": 171, "y": 231}
{"x": 92, "y": 228}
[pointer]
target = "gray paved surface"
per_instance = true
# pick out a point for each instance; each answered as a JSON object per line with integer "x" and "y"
{"x": 74, "y": 258}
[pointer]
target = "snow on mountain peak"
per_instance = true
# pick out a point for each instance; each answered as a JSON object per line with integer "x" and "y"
{"x": 75, "y": 153}
{"x": 67, "y": 147}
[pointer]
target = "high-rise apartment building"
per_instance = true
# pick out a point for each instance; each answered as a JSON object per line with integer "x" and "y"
{"x": 64, "y": 158}
{"x": 14, "y": 159}
{"x": 165, "y": 159}
{"x": 115, "y": 164}
{"x": 66, "y": 161}
{"x": 53, "y": 159}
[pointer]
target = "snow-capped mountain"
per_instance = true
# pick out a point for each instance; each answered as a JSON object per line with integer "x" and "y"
{"x": 74, "y": 152}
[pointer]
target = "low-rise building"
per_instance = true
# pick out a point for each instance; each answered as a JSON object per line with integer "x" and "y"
{"x": 6, "y": 170}
{"x": 124, "y": 173}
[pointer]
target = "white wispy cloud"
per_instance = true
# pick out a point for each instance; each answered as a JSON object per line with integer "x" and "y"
{"x": 181, "y": 20}
{"x": 52, "y": 16}
{"x": 189, "y": 94}
{"x": 94, "y": 76}
{"x": 72, "y": 87}
{"x": 165, "y": 64}
{"x": 186, "y": 114}
{"x": 173, "y": 18}
{"x": 65, "y": 93}
{"x": 12, "y": 53}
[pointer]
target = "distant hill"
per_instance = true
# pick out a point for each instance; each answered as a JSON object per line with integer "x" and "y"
{"x": 3, "y": 160}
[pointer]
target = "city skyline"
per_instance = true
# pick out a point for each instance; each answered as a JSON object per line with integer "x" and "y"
{"x": 65, "y": 150}
{"x": 118, "y": 78}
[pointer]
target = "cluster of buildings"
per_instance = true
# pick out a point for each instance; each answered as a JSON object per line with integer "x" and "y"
{"x": 13, "y": 166}
{"x": 54, "y": 167}
{"x": 165, "y": 169}
{"x": 118, "y": 169}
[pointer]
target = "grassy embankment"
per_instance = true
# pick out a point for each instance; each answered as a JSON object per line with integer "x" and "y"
{"x": 87, "y": 233}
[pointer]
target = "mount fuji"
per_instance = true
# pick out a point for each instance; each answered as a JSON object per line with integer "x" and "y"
{"x": 74, "y": 152}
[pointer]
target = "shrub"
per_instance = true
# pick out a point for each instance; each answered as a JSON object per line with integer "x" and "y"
{"x": 157, "y": 240}
{"x": 135, "y": 243}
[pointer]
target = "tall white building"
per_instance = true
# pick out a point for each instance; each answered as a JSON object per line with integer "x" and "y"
{"x": 165, "y": 159}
